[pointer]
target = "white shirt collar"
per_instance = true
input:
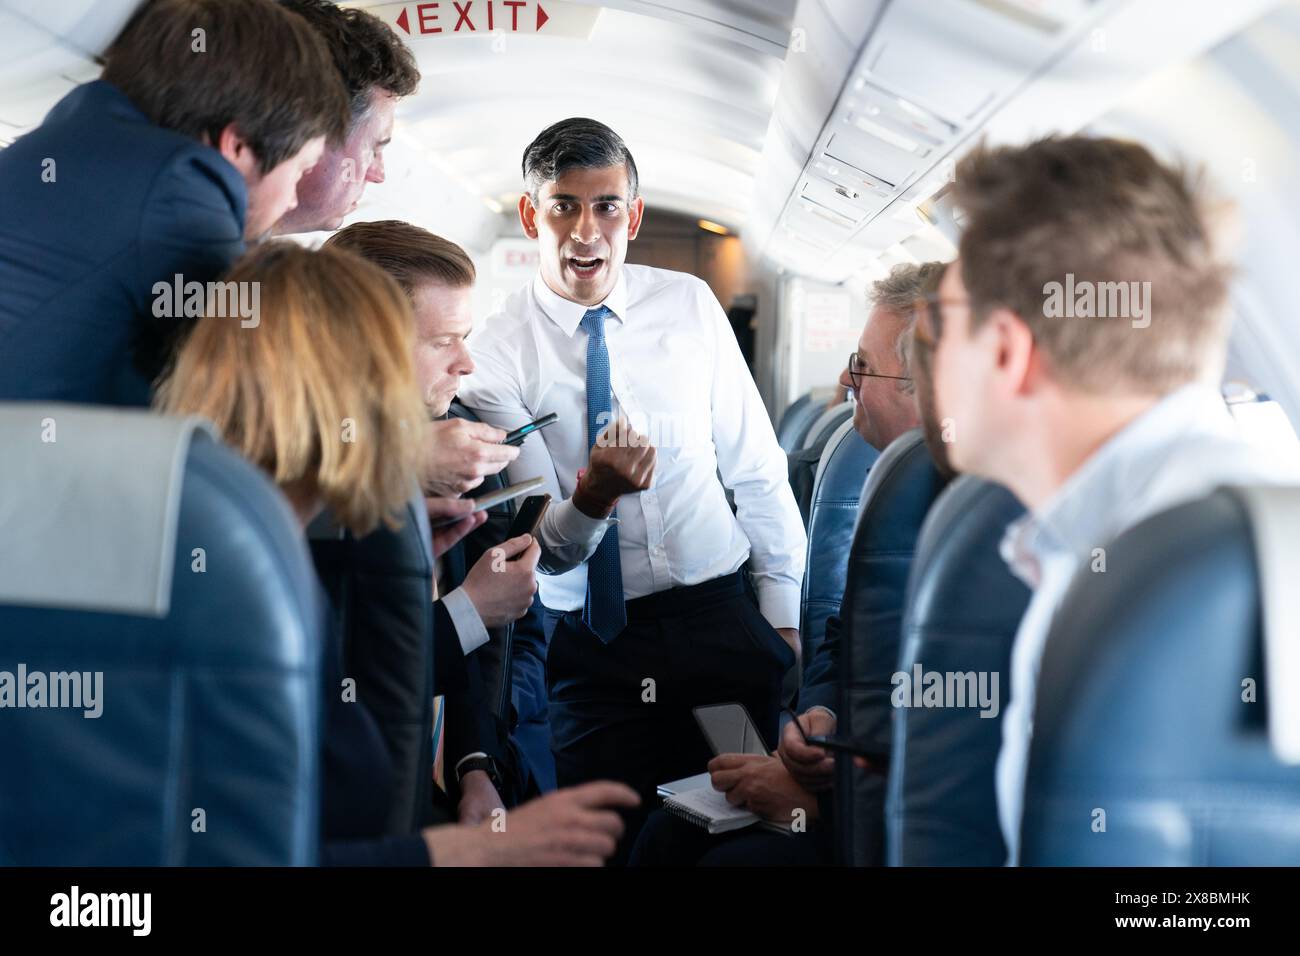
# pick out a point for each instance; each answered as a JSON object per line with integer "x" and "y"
{"x": 1085, "y": 511}
{"x": 567, "y": 314}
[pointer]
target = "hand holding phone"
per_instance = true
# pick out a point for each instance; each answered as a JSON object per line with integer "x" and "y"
{"x": 529, "y": 516}
{"x": 483, "y": 502}
{"x": 517, "y": 436}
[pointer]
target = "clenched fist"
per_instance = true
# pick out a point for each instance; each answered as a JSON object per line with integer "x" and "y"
{"x": 622, "y": 463}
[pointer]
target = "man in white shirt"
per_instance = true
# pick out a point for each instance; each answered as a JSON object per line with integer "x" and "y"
{"x": 1082, "y": 336}
{"x": 650, "y": 602}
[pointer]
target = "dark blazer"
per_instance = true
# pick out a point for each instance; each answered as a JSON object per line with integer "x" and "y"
{"x": 128, "y": 204}
{"x": 401, "y": 649}
{"x": 360, "y": 779}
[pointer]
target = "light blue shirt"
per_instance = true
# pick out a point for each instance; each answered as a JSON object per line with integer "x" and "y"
{"x": 1179, "y": 450}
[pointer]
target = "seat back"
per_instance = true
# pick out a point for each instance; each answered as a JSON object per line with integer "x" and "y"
{"x": 206, "y": 747}
{"x": 1151, "y": 741}
{"x": 837, "y": 490}
{"x": 826, "y": 424}
{"x": 963, "y": 608}
{"x": 902, "y": 485}
{"x": 796, "y": 421}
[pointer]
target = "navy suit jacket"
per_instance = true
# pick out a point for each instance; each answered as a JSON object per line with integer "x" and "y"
{"x": 127, "y": 204}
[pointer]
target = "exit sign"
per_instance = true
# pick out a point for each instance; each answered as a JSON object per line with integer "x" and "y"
{"x": 446, "y": 18}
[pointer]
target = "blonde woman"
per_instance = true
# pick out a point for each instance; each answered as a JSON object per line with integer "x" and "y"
{"x": 320, "y": 393}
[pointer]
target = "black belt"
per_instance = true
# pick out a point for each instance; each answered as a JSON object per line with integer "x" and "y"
{"x": 682, "y": 600}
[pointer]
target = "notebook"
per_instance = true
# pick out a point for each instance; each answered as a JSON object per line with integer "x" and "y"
{"x": 708, "y": 808}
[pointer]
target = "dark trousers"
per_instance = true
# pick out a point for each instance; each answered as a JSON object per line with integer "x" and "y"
{"x": 667, "y": 840}
{"x": 622, "y": 711}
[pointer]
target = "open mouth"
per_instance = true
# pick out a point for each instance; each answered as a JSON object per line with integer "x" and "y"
{"x": 585, "y": 268}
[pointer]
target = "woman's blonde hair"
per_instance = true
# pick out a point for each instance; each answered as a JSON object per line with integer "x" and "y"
{"x": 320, "y": 390}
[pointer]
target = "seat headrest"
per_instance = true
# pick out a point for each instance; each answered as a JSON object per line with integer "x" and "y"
{"x": 1275, "y": 525}
{"x": 826, "y": 424}
{"x": 796, "y": 421}
{"x": 844, "y": 465}
{"x": 90, "y": 507}
{"x": 901, "y": 487}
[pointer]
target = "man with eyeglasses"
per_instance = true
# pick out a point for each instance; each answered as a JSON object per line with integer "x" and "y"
{"x": 877, "y": 374}
{"x": 884, "y": 407}
{"x": 776, "y": 785}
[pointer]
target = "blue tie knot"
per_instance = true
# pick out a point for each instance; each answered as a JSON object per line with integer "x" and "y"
{"x": 594, "y": 321}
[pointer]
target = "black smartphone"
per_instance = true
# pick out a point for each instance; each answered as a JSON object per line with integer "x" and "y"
{"x": 519, "y": 434}
{"x": 488, "y": 499}
{"x": 729, "y": 729}
{"x": 529, "y": 516}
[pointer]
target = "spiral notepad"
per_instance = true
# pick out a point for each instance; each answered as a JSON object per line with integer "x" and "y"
{"x": 708, "y": 808}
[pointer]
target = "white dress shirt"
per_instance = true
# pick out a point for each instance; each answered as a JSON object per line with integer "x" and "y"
{"x": 1179, "y": 450}
{"x": 677, "y": 376}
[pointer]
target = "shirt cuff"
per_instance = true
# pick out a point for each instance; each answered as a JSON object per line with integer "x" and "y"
{"x": 779, "y": 603}
{"x": 569, "y": 537}
{"x": 465, "y": 618}
{"x": 576, "y": 528}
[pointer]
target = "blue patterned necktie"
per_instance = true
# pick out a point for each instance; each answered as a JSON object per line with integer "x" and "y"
{"x": 603, "y": 611}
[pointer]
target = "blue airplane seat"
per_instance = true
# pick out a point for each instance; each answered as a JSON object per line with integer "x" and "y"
{"x": 841, "y": 474}
{"x": 139, "y": 548}
{"x": 902, "y": 485}
{"x": 1165, "y": 731}
{"x": 963, "y": 608}
{"x": 796, "y": 421}
{"x": 825, "y": 425}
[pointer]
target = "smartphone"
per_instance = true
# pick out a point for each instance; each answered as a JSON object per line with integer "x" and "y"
{"x": 483, "y": 502}
{"x": 519, "y": 434}
{"x": 529, "y": 516}
{"x": 729, "y": 729}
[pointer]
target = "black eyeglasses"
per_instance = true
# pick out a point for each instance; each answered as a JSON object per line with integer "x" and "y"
{"x": 858, "y": 371}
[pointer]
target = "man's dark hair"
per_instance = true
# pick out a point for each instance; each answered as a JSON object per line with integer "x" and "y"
{"x": 575, "y": 143}
{"x": 368, "y": 54}
{"x": 196, "y": 66}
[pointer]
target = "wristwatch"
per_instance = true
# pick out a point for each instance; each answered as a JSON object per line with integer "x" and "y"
{"x": 479, "y": 762}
